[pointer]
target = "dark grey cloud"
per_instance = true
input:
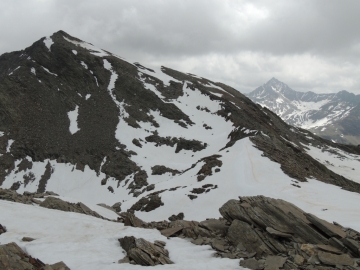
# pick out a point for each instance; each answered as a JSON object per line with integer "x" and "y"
{"x": 309, "y": 44}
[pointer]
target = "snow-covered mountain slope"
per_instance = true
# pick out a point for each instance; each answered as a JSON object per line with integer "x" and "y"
{"x": 332, "y": 116}
{"x": 86, "y": 124}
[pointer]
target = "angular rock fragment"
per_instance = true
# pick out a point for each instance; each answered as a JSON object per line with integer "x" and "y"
{"x": 143, "y": 252}
{"x": 171, "y": 231}
{"x": 333, "y": 259}
{"x": 56, "y": 203}
{"x": 179, "y": 216}
{"x": 27, "y": 239}
{"x": 2, "y": 229}
{"x": 13, "y": 257}
{"x": 131, "y": 220}
{"x": 274, "y": 262}
{"x": 252, "y": 264}
{"x": 117, "y": 207}
{"x": 215, "y": 225}
{"x": 326, "y": 227}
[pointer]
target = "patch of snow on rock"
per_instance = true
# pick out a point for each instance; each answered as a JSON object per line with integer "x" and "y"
{"x": 48, "y": 42}
{"x": 49, "y": 71}
{"x": 10, "y": 142}
{"x": 73, "y": 115}
{"x": 84, "y": 65}
{"x": 91, "y": 48}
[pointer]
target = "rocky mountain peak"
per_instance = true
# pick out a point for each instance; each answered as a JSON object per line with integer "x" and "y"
{"x": 83, "y": 124}
{"x": 78, "y": 120}
{"x": 327, "y": 115}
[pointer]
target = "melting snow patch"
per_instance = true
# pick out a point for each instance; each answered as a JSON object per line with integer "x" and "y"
{"x": 84, "y": 65}
{"x": 10, "y": 142}
{"x": 14, "y": 70}
{"x": 217, "y": 94}
{"x": 74, "y": 52}
{"x": 91, "y": 48}
{"x": 61, "y": 237}
{"x": 1, "y": 133}
{"x": 49, "y": 71}
{"x": 87, "y": 96}
{"x": 33, "y": 71}
{"x": 158, "y": 73}
{"x": 48, "y": 42}
{"x": 150, "y": 86}
{"x": 111, "y": 86}
{"x": 73, "y": 115}
{"x": 262, "y": 133}
{"x": 113, "y": 77}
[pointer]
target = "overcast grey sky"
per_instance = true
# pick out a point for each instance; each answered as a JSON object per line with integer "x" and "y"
{"x": 312, "y": 45}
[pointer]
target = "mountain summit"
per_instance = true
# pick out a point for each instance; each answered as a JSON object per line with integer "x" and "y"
{"x": 331, "y": 116}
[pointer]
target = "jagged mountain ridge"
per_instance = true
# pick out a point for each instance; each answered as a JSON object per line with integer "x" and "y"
{"x": 85, "y": 123}
{"x": 332, "y": 116}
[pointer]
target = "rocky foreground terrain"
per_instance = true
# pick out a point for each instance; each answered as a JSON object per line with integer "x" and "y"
{"x": 259, "y": 232}
{"x": 119, "y": 147}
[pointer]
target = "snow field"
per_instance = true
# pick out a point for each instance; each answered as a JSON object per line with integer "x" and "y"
{"x": 87, "y": 243}
{"x": 342, "y": 163}
{"x": 246, "y": 173}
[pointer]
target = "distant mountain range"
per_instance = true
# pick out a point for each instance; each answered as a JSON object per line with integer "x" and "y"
{"x": 332, "y": 116}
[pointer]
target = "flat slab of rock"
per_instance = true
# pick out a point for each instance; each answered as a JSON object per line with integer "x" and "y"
{"x": 252, "y": 264}
{"x": 329, "y": 229}
{"x": 328, "y": 248}
{"x": 278, "y": 233}
{"x": 215, "y": 225}
{"x": 333, "y": 259}
{"x": 58, "y": 204}
{"x": 274, "y": 262}
{"x": 170, "y": 231}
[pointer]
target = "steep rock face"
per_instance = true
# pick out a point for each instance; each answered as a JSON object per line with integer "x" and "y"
{"x": 84, "y": 123}
{"x": 331, "y": 116}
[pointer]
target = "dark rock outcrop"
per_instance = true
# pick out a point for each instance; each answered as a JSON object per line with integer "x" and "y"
{"x": 2, "y": 229}
{"x": 139, "y": 251}
{"x": 26, "y": 198}
{"x": 179, "y": 216}
{"x": 58, "y": 204}
{"x": 13, "y": 257}
{"x": 268, "y": 234}
{"x": 160, "y": 170}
